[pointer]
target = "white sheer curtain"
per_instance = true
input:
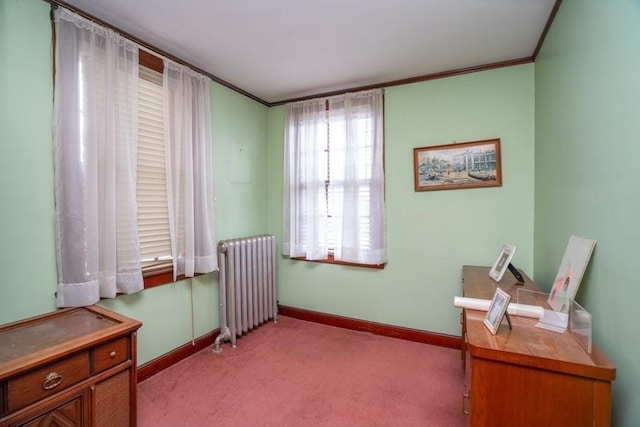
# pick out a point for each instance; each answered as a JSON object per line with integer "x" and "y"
{"x": 334, "y": 179}
{"x": 305, "y": 220}
{"x": 357, "y": 119}
{"x": 95, "y": 136}
{"x": 189, "y": 170}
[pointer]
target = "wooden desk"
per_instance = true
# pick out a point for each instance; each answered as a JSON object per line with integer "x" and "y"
{"x": 71, "y": 367}
{"x": 529, "y": 376}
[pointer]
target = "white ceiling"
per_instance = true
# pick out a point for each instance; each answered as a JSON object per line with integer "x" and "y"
{"x": 285, "y": 49}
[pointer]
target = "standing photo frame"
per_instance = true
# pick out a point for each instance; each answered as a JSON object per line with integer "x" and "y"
{"x": 497, "y": 310}
{"x": 572, "y": 268}
{"x": 502, "y": 262}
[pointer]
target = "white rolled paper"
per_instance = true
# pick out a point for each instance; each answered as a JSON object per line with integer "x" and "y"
{"x": 523, "y": 310}
{"x": 472, "y": 303}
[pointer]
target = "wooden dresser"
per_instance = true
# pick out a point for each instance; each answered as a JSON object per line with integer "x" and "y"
{"x": 528, "y": 376}
{"x": 71, "y": 367}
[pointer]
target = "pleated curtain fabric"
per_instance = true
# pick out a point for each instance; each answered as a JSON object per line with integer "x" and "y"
{"x": 305, "y": 228}
{"x": 95, "y": 138}
{"x": 357, "y": 119}
{"x": 187, "y": 116}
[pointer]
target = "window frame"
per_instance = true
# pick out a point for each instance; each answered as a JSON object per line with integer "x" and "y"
{"x": 331, "y": 260}
{"x": 327, "y": 183}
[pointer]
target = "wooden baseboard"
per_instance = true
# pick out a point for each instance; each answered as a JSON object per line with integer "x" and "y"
{"x": 441, "y": 340}
{"x": 163, "y": 362}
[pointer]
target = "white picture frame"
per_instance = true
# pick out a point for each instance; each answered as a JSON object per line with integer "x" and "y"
{"x": 496, "y": 311}
{"x": 502, "y": 262}
{"x": 574, "y": 263}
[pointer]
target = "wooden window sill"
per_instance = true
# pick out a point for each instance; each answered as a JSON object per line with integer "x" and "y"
{"x": 332, "y": 260}
{"x": 159, "y": 279}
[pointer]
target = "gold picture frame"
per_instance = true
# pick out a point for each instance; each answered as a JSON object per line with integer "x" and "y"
{"x": 461, "y": 165}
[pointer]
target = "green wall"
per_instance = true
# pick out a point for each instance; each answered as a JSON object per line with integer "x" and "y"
{"x": 587, "y": 146}
{"x": 430, "y": 234}
{"x": 27, "y": 247}
{"x": 172, "y": 314}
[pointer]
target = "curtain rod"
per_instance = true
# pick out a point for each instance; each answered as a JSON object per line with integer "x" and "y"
{"x": 154, "y": 49}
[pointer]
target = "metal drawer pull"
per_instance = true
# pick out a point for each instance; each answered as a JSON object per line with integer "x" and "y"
{"x": 52, "y": 380}
{"x": 112, "y": 354}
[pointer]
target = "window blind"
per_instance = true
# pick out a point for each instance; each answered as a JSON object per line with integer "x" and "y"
{"x": 151, "y": 191}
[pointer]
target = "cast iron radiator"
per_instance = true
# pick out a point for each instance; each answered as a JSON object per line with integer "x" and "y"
{"x": 247, "y": 282}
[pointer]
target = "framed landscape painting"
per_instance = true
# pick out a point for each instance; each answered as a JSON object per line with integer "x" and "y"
{"x": 462, "y": 165}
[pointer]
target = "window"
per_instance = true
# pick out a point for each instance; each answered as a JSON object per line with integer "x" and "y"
{"x": 151, "y": 183}
{"x": 133, "y": 166}
{"x": 334, "y": 180}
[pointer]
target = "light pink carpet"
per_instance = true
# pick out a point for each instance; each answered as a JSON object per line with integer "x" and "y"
{"x": 297, "y": 373}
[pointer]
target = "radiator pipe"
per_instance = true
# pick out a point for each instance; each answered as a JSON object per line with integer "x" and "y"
{"x": 222, "y": 337}
{"x": 225, "y": 333}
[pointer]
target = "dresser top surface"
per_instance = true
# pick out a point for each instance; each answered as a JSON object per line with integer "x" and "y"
{"x": 37, "y": 339}
{"x": 525, "y": 343}
{"x": 36, "y": 336}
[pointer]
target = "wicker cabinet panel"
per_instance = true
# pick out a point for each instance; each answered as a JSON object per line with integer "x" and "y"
{"x": 112, "y": 401}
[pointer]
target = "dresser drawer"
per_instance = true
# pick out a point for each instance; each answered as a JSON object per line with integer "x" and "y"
{"x": 46, "y": 381}
{"x": 110, "y": 354}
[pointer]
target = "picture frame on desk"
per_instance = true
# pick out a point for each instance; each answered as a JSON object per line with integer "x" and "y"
{"x": 497, "y": 310}
{"x": 502, "y": 262}
{"x": 573, "y": 266}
